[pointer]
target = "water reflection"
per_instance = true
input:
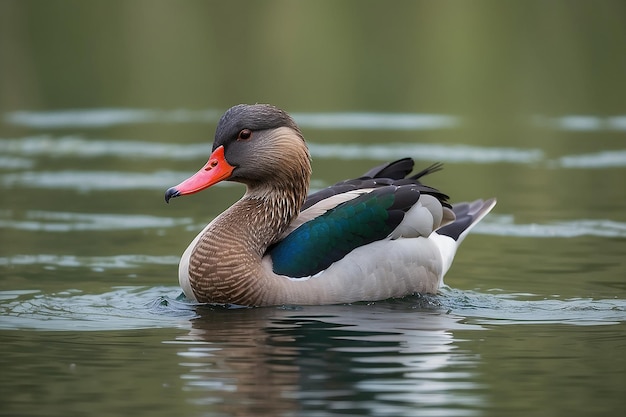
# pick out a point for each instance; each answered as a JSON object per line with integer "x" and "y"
{"x": 390, "y": 359}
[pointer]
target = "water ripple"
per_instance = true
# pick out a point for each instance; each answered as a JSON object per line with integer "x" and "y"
{"x": 74, "y": 146}
{"x": 427, "y": 151}
{"x": 93, "y": 180}
{"x": 99, "y": 263}
{"x": 51, "y": 221}
{"x": 504, "y": 309}
{"x": 494, "y": 224}
{"x": 604, "y": 159}
{"x": 123, "y": 308}
{"x": 10, "y": 163}
{"x": 99, "y": 118}
{"x": 376, "y": 121}
{"x": 581, "y": 122}
{"x": 504, "y": 225}
{"x": 134, "y": 307}
{"x": 77, "y": 146}
{"x": 107, "y": 117}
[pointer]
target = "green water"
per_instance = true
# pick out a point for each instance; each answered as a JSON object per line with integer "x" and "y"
{"x": 104, "y": 105}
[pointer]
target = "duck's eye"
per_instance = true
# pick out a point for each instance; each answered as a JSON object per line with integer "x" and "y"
{"x": 244, "y": 134}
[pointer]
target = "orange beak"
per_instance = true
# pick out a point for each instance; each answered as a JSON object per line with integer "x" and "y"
{"x": 216, "y": 169}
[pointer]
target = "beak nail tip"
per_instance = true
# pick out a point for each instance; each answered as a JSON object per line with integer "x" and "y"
{"x": 171, "y": 193}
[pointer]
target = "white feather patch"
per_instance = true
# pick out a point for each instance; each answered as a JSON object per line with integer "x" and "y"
{"x": 421, "y": 219}
{"x": 183, "y": 266}
{"x": 447, "y": 247}
{"x": 322, "y": 207}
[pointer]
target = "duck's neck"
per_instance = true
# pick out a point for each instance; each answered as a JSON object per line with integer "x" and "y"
{"x": 257, "y": 221}
{"x": 271, "y": 203}
{"x": 225, "y": 265}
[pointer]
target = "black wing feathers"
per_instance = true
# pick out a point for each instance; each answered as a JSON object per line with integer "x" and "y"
{"x": 392, "y": 173}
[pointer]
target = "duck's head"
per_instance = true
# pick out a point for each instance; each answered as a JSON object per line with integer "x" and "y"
{"x": 258, "y": 145}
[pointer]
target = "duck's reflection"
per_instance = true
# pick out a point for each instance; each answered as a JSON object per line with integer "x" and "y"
{"x": 360, "y": 359}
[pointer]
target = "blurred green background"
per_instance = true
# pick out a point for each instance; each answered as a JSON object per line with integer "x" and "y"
{"x": 497, "y": 62}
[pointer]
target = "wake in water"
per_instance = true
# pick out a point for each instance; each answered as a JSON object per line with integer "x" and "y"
{"x": 126, "y": 308}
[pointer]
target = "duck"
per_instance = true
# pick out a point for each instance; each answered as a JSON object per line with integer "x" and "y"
{"x": 379, "y": 236}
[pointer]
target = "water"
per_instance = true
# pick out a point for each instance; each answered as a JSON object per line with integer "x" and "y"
{"x": 91, "y": 314}
{"x": 96, "y": 122}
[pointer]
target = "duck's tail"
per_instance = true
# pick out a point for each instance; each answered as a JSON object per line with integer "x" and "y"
{"x": 450, "y": 236}
{"x": 467, "y": 216}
